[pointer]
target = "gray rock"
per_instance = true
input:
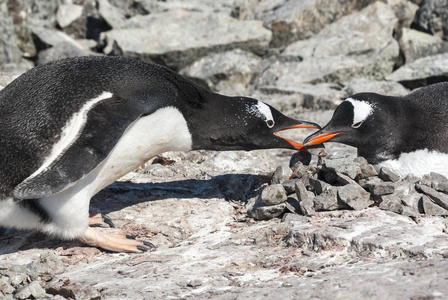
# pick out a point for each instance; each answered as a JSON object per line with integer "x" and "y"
{"x": 22, "y": 28}
{"x": 314, "y": 96}
{"x": 318, "y": 186}
{"x": 305, "y": 201}
{"x": 48, "y": 263}
{"x": 76, "y": 292}
{"x": 387, "y": 174}
{"x": 431, "y": 208}
{"x": 31, "y": 291}
{"x": 382, "y": 188}
{"x": 416, "y": 44}
{"x": 62, "y": 50}
{"x": 274, "y": 194}
{"x": 331, "y": 57}
{"x": 439, "y": 182}
{"x": 405, "y": 12}
{"x": 68, "y": 13}
{"x": 51, "y": 37}
{"x": 344, "y": 179}
{"x": 432, "y": 17}
{"x": 111, "y": 14}
{"x": 281, "y": 174}
{"x": 328, "y": 200}
{"x": 392, "y": 203}
{"x": 416, "y": 73}
{"x": 9, "y": 52}
{"x": 290, "y": 185}
{"x": 345, "y": 166}
{"x": 296, "y": 20}
{"x": 229, "y": 72}
{"x": 361, "y": 85}
{"x": 426, "y": 180}
{"x": 299, "y": 170}
{"x": 185, "y": 36}
{"x": 410, "y": 212}
{"x": 5, "y": 286}
{"x": 437, "y": 197}
{"x": 203, "y": 6}
{"x": 354, "y": 196}
{"x": 290, "y": 217}
{"x": 366, "y": 183}
{"x": 267, "y": 212}
{"x": 299, "y": 159}
{"x": 41, "y": 13}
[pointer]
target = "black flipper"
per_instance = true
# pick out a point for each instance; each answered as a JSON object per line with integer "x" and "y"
{"x": 104, "y": 126}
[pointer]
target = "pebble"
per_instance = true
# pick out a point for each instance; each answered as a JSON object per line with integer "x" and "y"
{"x": 439, "y": 182}
{"x": 382, "y": 188}
{"x": 391, "y": 203}
{"x": 328, "y": 200}
{"x": 430, "y": 208}
{"x": 267, "y": 212}
{"x": 290, "y": 185}
{"x": 274, "y": 194}
{"x": 354, "y": 196}
{"x": 306, "y": 203}
{"x": 387, "y": 174}
{"x": 437, "y": 197}
{"x": 31, "y": 291}
{"x": 281, "y": 174}
{"x": 319, "y": 186}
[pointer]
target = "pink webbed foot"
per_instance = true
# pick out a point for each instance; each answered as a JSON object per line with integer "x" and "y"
{"x": 100, "y": 220}
{"x": 114, "y": 242}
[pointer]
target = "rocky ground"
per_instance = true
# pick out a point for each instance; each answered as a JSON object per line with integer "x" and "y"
{"x": 247, "y": 225}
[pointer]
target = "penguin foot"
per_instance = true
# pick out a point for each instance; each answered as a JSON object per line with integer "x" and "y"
{"x": 100, "y": 220}
{"x": 114, "y": 242}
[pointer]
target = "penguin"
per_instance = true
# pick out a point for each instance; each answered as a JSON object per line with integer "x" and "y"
{"x": 407, "y": 134}
{"x": 71, "y": 127}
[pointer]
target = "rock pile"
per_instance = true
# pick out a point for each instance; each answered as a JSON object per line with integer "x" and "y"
{"x": 340, "y": 182}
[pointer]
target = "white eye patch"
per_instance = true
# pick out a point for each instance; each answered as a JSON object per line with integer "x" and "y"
{"x": 262, "y": 111}
{"x": 361, "y": 111}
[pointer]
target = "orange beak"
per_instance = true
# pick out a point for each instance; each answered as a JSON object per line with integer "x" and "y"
{"x": 296, "y": 145}
{"x": 320, "y": 138}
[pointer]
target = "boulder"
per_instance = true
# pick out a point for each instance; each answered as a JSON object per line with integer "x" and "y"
{"x": 422, "y": 71}
{"x": 366, "y": 49}
{"x": 229, "y": 72}
{"x": 362, "y": 85}
{"x": 416, "y": 44}
{"x": 9, "y": 50}
{"x": 179, "y": 37}
{"x": 432, "y": 17}
{"x": 297, "y": 19}
{"x": 68, "y": 13}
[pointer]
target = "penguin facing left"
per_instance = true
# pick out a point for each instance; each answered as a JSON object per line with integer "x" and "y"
{"x": 74, "y": 126}
{"x": 407, "y": 134}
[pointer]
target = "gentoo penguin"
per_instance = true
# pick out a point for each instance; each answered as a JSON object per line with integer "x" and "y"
{"x": 407, "y": 134}
{"x": 74, "y": 126}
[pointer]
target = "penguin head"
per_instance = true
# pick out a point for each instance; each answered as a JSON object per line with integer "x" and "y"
{"x": 359, "y": 121}
{"x": 240, "y": 123}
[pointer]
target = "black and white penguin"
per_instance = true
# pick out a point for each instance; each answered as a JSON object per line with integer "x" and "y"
{"x": 72, "y": 127}
{"x": 407, "y": 134}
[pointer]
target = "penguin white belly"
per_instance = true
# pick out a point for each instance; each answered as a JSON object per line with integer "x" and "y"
{"x": 419, "y": 163}
{"x": 161, "y": 131}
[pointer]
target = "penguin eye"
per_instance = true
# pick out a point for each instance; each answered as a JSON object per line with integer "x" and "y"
{"x": 356, "y": 125}
{"x": 270, "y": 123}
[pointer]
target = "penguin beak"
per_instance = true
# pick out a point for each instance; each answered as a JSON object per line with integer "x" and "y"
{"x": 319, "y": 137}
{"x": 302, "y": 124}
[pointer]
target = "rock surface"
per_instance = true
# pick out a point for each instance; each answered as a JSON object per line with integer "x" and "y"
{"x": 216, "y": 236}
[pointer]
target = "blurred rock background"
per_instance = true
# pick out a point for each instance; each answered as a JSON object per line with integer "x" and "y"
{"x": 301, "y": 56}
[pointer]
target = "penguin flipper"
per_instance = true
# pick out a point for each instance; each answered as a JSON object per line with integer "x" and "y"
{"x": 104, "y": 124}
